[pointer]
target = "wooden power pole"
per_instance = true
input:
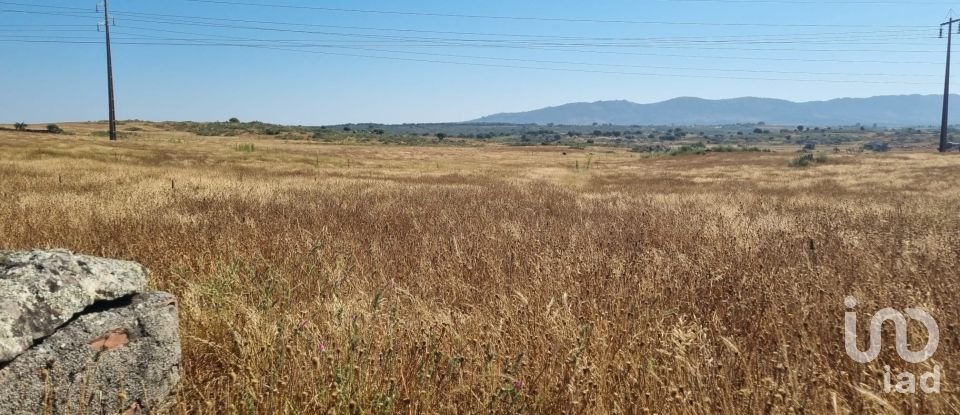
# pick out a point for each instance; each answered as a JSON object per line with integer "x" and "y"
{"x": 946, "y": 85}
{"x": 113, "y": 109}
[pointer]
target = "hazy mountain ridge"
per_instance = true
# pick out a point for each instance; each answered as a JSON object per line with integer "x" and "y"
{"x": 891, "y": 110}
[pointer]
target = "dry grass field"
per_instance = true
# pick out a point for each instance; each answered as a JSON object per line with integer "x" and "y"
{"x": 491, "y": 279}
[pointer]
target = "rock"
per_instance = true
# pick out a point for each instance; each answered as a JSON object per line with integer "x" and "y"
{"x": 120, "y": 353}
{"x": 42, "y": 290}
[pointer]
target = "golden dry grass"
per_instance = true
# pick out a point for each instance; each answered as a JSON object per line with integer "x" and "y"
{"x": 387, "y": 279}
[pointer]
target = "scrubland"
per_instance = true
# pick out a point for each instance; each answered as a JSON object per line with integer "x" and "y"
{"x": 491, "y": 279}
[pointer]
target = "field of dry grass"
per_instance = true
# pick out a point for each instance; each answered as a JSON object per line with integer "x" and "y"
{"x": 387, "y": 279}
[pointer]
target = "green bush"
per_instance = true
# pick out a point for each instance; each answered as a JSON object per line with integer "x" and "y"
{"x": 54, "y": 129}
{"x": 650, "y": 148}
{"x": 246, "y": 148}
{"x": 806, "y": 160}
{"x": 724, "y": 149}
{"x": 877, "y": 147}
{"x": 698, "y": 149}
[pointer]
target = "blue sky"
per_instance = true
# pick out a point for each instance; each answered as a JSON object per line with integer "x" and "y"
{"x": 311, "y": 66}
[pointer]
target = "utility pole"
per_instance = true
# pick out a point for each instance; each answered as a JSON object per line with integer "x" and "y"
{"x": 946, "y": 84}
{"x": 113, "y": 110}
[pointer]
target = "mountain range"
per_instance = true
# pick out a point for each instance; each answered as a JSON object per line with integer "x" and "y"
{"x": 891, "y": 110}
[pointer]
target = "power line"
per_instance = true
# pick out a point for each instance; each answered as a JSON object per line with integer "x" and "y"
{"x": 524, "y": 42}
{"x": 65, "y": 14}
{"x": 303, "y": 43}
{"x": 817, "y": 3}
{"x": 45, "y": 25}
{"x": 698, "y": 56}
{"x": 522, "y": 18}
{"x": 287, "y": 23}
{"x": 490, "y": 42}
{"x": 433, "y": 40}
{"x": 474, "y": 64}
{"x": 755, "y": 36}
{"x": 588, "y": 51}
{"x": 43, "y": 6}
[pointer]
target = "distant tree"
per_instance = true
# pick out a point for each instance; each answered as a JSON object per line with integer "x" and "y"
{"x": 347, "y": 129}
{"x": 55, "y": 129}
{"x": 234, "y": 120}
{"x": 800, "y": 128}
{"x": 20, "y": 126}
{"x": 441, "y": 136}
{"x": 597, "y": 133}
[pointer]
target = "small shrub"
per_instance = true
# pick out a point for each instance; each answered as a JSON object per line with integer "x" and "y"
{"x": 234, "y": 120}
{"x": 724, "y": 149}
{"x": 802, "y": 160}
{"x": 246, "y": 148}
{"x": 698, "y": 149}
{"x": 54, "y": 129}
{"x": 806, "y": 160}
{"x": 877, "y": 147}
{"x": 650, "y": 148}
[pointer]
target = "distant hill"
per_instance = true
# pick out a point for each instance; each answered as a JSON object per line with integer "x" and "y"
{"x": 894, "y": 110}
